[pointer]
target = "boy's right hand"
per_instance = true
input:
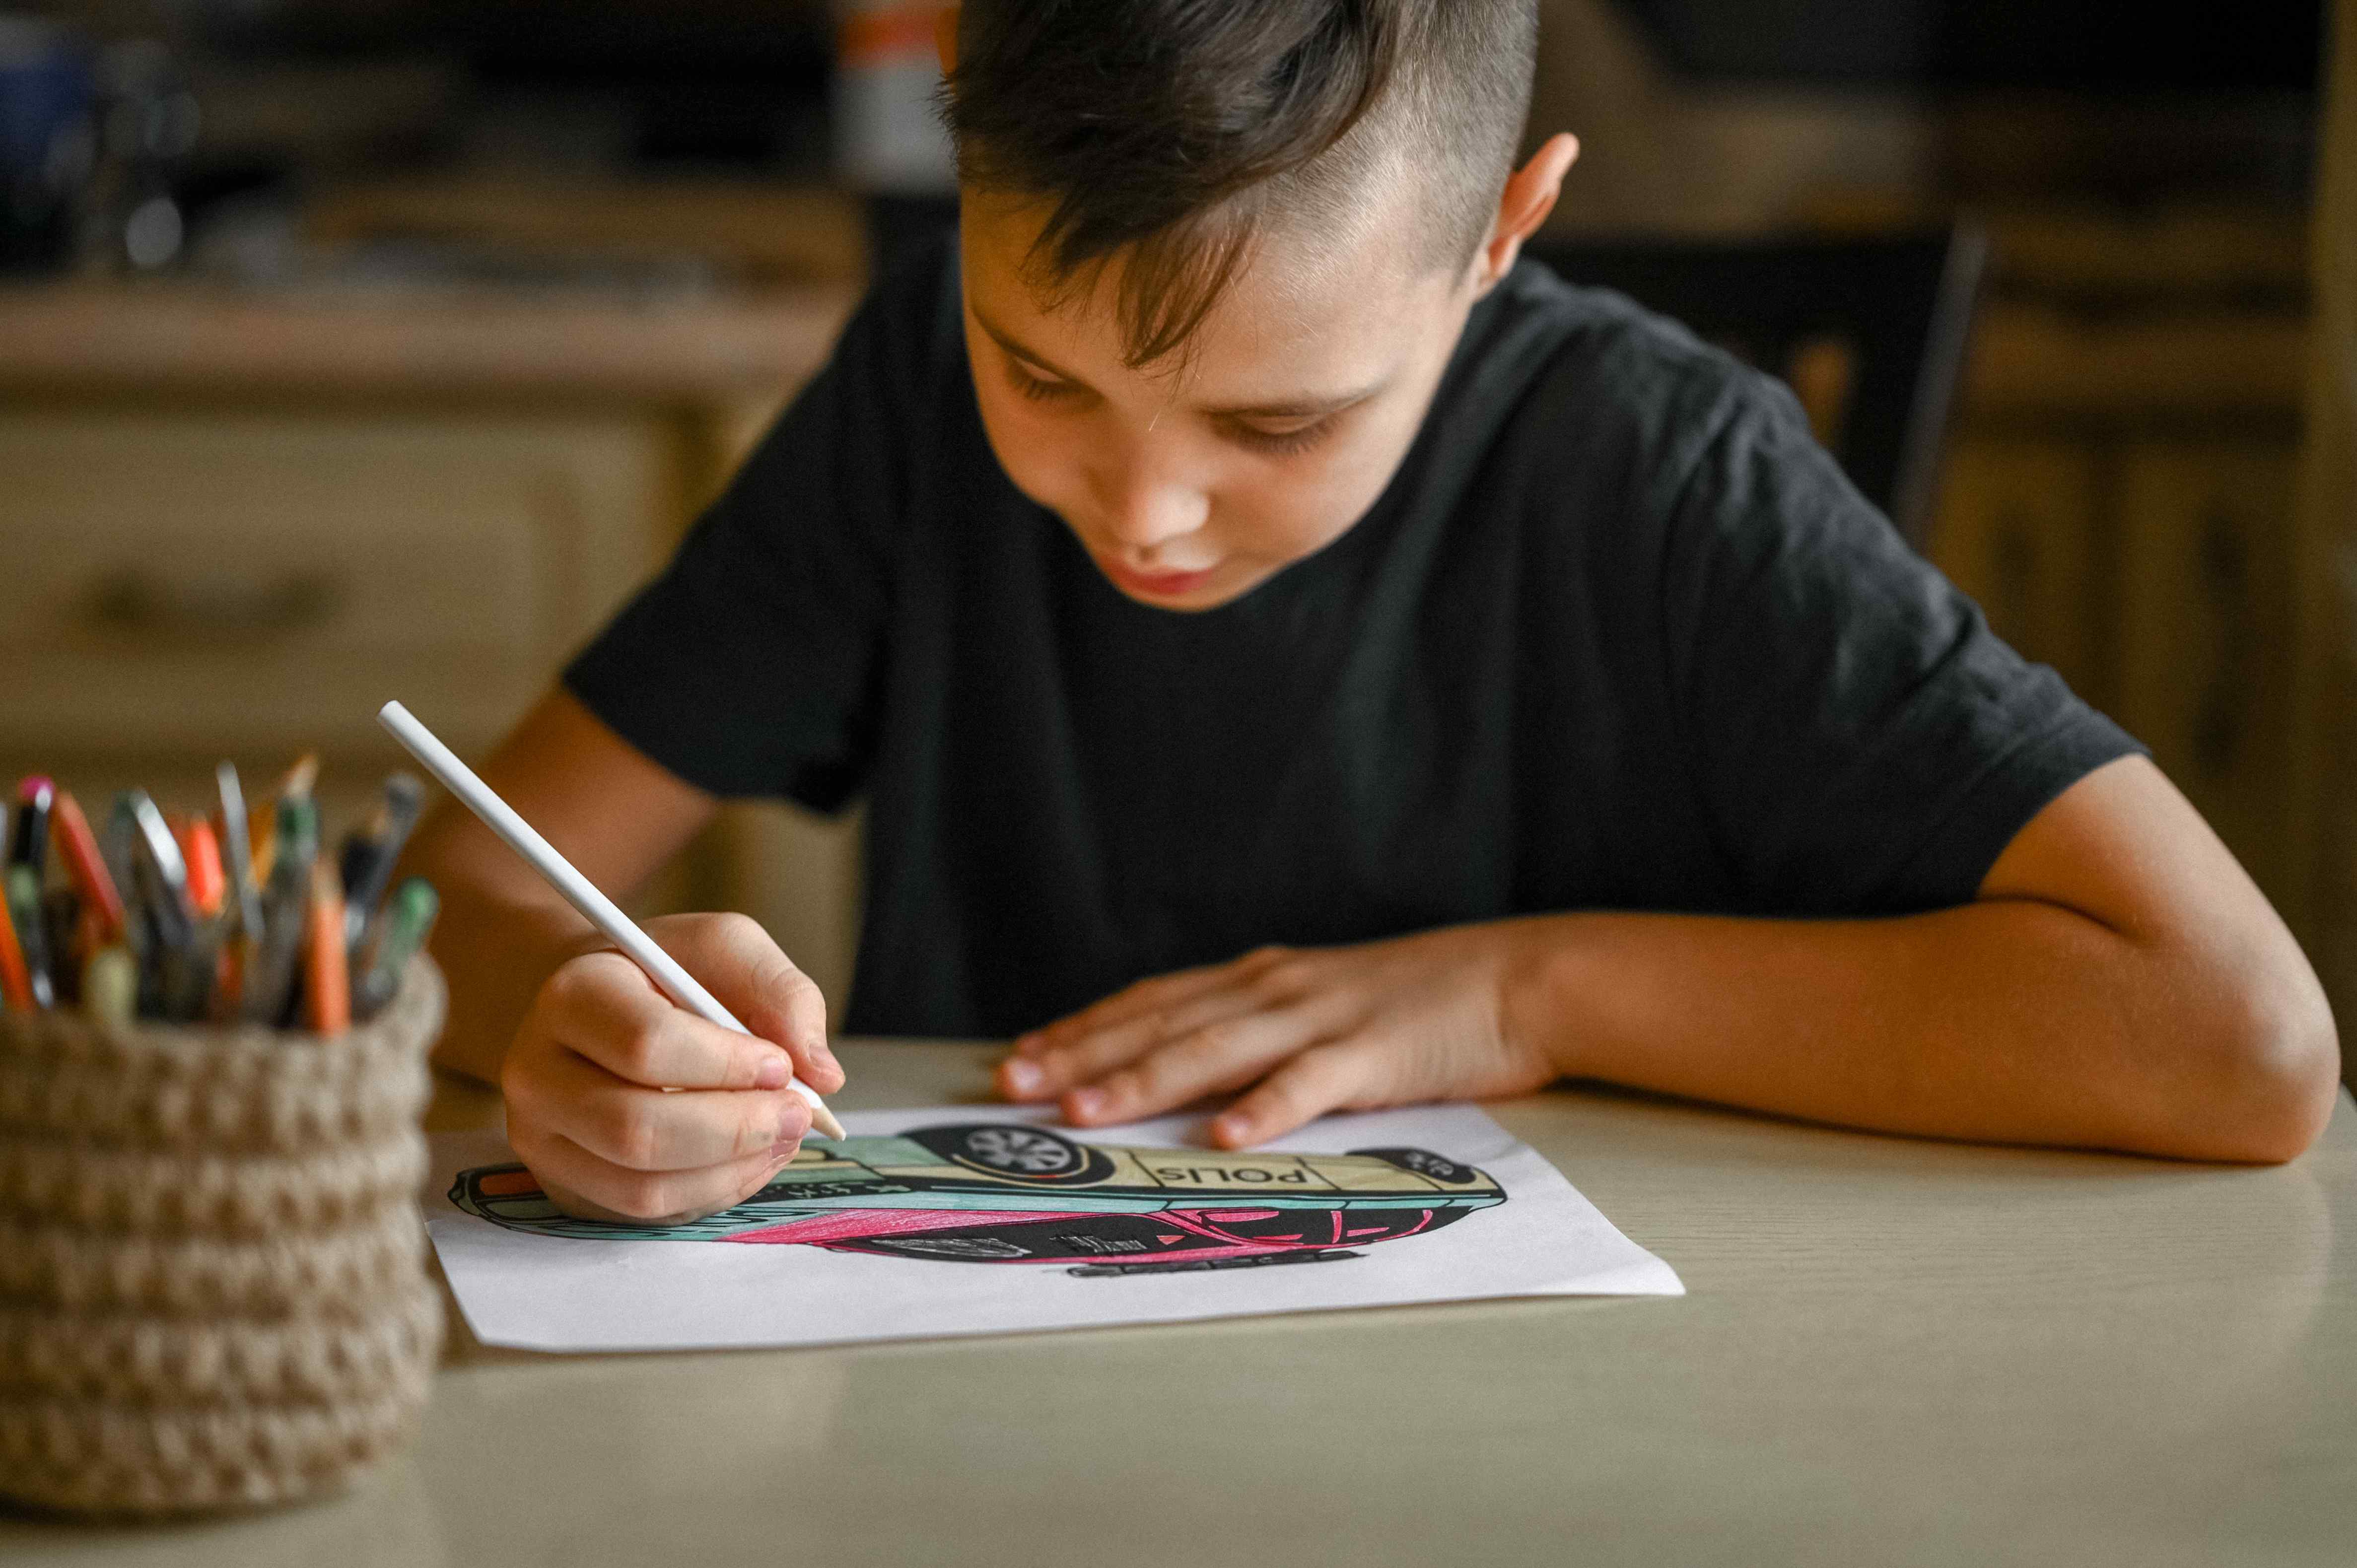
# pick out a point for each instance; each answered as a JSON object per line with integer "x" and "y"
{"x": 584, "y": 1080}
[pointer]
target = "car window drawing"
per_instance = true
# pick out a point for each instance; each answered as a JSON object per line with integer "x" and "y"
{"x": 1007, "y": 1193}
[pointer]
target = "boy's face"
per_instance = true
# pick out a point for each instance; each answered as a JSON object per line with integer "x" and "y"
{"x": 1192, "y": 483}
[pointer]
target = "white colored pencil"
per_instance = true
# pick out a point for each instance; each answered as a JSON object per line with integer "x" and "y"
{"x": 578, "y": 890}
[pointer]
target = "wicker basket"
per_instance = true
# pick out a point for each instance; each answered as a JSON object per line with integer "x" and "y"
{"x": 212, "y": 1282}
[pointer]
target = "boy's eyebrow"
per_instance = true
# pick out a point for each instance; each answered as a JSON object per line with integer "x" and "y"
{"x": 1283, "y": 408}
{"x": 1015, "y": 347}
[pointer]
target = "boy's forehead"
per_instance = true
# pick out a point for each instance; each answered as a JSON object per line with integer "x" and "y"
{"x": 1307, "y": 309}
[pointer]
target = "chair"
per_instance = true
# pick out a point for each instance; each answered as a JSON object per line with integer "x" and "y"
{"x": 1870, "y": 334}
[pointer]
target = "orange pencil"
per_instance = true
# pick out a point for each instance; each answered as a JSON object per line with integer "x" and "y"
{"x": 16, "y": 981}
{"x": 207, "y": 883}
{"x": 70, "y": 831}
{"x": 327, "y": 974}
{"x": 262, "y": 821}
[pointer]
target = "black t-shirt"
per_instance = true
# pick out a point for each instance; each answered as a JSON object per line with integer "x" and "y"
{"x": 1619, "y": 635}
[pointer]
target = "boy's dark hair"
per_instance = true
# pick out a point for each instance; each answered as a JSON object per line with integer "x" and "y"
{"x": 1174, "y": 132}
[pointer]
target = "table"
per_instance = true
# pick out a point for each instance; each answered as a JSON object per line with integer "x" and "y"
{"x": 1894, "y": 1352}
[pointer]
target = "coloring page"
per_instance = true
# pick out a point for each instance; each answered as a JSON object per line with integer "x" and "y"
{"x": 984, "y": 1221}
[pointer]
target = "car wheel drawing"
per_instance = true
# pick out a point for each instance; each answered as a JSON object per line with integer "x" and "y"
{"x": 1028, "y": 1154}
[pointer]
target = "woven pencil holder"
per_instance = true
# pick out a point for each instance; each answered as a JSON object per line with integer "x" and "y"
{"x": 212, "y": 1283}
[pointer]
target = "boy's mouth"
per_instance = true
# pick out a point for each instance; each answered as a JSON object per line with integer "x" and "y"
{"x": 1156, "y": 584}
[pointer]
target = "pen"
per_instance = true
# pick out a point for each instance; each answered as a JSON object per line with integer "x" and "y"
{"x": 237, "y": 850}
{"x": 578, "y": 890}
{"x": 368, "y": 855}
{"x": 270, "y": 984}
{"x": 245, "y": 895}
{"x": 408, "y": 919}
{"x": 177, "y": 972}
{"x": 157, "y": 856}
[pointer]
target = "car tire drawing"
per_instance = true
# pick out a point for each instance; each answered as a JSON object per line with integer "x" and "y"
{"x": 1026, "y": 1154}
{"x": 1014, "y": 1193}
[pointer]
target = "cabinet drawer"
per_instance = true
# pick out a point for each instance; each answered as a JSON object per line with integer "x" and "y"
{"x": 2206, "y": 634}
{"x": 242, "y": 583}
{"x": 2016, "y": 530}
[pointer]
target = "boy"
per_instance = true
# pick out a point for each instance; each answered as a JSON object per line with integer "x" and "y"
{"x": 1230, "y": 545}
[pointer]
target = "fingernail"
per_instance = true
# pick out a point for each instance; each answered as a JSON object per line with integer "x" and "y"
{"x": 775, "y": 1071}
{"x": 1023, "y": 1077}
{"x": 1231, "y": 1129}
{"x": 1029, "y": 1045}
{"x": 1087, "y": 1102}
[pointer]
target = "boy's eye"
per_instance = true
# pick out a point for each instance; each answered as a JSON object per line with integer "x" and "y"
{"x": 1039, "y": 389}
{"x": 1279, "y": 443}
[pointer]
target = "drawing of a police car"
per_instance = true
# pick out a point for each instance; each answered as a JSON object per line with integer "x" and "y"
{"x": 1002, "y": 1193}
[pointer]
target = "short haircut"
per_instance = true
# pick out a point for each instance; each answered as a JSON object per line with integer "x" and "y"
{"x": 1175, "y": 133}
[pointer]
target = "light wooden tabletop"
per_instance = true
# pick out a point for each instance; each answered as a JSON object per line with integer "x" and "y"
{"x": 1894, "y": 1352}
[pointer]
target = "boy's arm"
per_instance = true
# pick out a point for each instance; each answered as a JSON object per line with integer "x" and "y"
{"x": 2118, "y": 983}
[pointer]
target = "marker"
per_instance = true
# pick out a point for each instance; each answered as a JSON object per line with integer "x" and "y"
{"x": 368, "y": 855}
{"x": 578, "y": 890}
{"x": 16, "y": 980}
{"x": 407, "y": 921}
{"x": 62, "y": 928}
{"x": 23, "y": 897}
{"x": 270, "y": 984}
{"x": 327, "y": 978}
{"x": 88, "y": 866}
{"x": 28, "y": 847}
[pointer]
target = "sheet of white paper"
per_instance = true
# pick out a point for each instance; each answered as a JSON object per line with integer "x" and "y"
{"x": 1043, "y": 1229}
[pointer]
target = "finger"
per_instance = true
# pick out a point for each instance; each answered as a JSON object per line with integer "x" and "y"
{"x": 1146, "y": 996}
{"x": 751, "y": 975}
{"x": 1096, "y": 1056}
{"x": 604, "y": 1007}
{"x": 1324, "y": 1077}
{"x": 1211, "y": 1060}
{"x": 642, "y": 1129}
{"x": 587, "y": 1187}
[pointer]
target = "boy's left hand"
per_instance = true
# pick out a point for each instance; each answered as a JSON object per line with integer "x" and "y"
{"x": 1316, "y": 1029}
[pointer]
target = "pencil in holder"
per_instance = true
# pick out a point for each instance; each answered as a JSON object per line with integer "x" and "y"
{"x": 213, "y": 1291}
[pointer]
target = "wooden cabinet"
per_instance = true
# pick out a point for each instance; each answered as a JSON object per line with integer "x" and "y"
{"x": 2018, "y": 532}
{"x": 198, "y": 581}
{"x": 2206, "y": 635}
{"x": 2119, "y": 497}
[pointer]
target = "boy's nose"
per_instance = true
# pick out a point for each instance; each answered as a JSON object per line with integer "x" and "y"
{"x": 1142, "y": 513}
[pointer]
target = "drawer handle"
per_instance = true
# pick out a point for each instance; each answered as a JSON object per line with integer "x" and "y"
{"x": 131, "y": 602}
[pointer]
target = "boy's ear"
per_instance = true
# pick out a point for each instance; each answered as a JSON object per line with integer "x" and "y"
{"x": 1530, "y": 195}
{"x": 945, "y": 23}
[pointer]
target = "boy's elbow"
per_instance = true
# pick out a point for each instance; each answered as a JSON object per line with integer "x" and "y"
{"x": 2275, "y": 1072}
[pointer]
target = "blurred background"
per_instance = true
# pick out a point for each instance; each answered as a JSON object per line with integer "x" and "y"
{"x": 352, "y": 348}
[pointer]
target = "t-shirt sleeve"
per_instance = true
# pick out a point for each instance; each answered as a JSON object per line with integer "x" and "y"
{"x": 1866, "y": 744}
{"x": 750, "y": 666}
